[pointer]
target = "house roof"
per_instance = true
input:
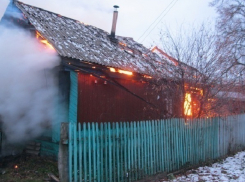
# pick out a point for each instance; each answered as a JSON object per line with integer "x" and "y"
{"x": 74, "y": 39}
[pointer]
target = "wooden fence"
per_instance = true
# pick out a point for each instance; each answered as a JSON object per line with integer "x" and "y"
{"x": 110, "y": 152}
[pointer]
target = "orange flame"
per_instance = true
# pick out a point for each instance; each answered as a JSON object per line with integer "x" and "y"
{"x": 38, "y": 35}
{"x": 47, "y": 44}
{"x": 16, "y": 167}
{"x": 125, "y": 72}
{"x": 120, "y": 71}
{"x": 187, "y": 105}
{"x": 198, "y": 89}
{"x": 147, "y": 76}
{"x": 43, "y": 40}
{"x": 123, "y": 44}
{"x": 112, "y": 69}
{"x": 165, "y": 54}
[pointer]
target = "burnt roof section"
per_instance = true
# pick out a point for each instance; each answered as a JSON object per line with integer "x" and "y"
{"x": 74, "y": 39}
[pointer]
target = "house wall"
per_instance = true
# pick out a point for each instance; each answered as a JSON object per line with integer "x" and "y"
{"x": 50, "y": 139}
{"x": 73, "y": 99}
{"x": 61, "y": 104}
{"x": 100, "y": 102}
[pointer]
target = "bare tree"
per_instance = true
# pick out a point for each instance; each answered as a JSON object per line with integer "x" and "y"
{"x": 199, "y": 70}
{"x": 231, "y": 27}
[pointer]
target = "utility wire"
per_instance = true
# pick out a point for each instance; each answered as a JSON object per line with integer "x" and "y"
{"x": 155, "y": 20}
{"x": 172, "y": 5}
{"x": 159, "y": 21}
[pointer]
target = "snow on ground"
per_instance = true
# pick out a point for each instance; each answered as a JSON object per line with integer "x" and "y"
{"x": 230, "y": 169}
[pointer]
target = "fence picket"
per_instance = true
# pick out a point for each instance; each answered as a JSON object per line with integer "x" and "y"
{"x": 161, "y": 150}
{"x": 110, "y": 151}
{"x": 144, "y": 156}
{"x": 157, "y": 153}
{"x": 89, "y": 153}
{"x": 129, "y": 151}
{"x": 125, "y": 150}
{"x": 70, "y": 151}
{"x": 80, "y": 151}
{"x": 153, "y": 148}
{"x": 176, "y": 143}
{"x": 106, "y": 152}
{"x": 122, "y": 163}
{"x": 195, "y": 144}
{"x": 171, "y": 144}
{"x": 139, "y": 148}
{"x": 102, "y": 147}
{"x": 178, "y": 154}
{"x": 85, "y": 151}
{"x": 114, "y": 152}
{"x": 98, "y": 146}
{"x": 117, "y": 152}
{"x": 147, "y": 153}
{"x": 168, "y": 154}
{"x": 134, "y": 154}
{"x": 94, "y": 151}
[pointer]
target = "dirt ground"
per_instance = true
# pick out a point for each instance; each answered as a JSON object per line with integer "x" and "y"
{"x": 23, "y": 168}
{"x": 27, "y": 168}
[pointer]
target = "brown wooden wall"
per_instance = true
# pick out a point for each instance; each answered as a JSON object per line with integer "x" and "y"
{"x": 99, "y": 102}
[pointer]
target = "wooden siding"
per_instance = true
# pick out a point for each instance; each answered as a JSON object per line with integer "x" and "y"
{"x": 48, "y": 148}
{"x": 100, "y": 102}
{"x": 73, "y": 97}
{"x": 61, "y": 105}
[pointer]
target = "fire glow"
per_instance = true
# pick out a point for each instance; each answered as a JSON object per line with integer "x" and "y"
{"x": 125, "y": 72}
{"x": 147, "y": 76}
{"x": 112, "y": 69}
{"x": 123, "y": 44}
{"x": 187, "y": 105}
{"x": 44, "y": 41}
{"x": 154, "y": 49}
{"x": 121, "y": 71}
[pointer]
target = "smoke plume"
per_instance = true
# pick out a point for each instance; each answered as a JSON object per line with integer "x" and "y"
{"x": 27, "y": 85}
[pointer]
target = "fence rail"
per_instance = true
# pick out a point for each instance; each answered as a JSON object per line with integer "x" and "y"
{"x": 129, "y": 151}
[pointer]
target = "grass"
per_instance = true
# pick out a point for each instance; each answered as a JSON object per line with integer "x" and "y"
{"x": 28, "y": 169}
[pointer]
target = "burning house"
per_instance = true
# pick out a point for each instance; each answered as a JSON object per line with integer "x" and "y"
{"x": 103, "y": 77}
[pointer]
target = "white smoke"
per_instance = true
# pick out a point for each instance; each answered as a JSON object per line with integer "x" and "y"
{"x": 27, "y": 85}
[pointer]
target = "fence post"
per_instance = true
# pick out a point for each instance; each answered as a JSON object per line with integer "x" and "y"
{"x": 63, "y": 153}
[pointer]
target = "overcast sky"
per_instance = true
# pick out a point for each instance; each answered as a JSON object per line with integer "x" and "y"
{"x": 135, "y": 16}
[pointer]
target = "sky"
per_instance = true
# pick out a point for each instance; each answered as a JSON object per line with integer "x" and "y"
{"x": 135, "y": 16}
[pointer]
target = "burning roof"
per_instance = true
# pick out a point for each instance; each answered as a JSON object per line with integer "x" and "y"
{"x": 74, "y": 39}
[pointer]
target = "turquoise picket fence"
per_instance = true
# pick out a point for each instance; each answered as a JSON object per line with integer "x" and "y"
{"x": 128, "y": 151}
